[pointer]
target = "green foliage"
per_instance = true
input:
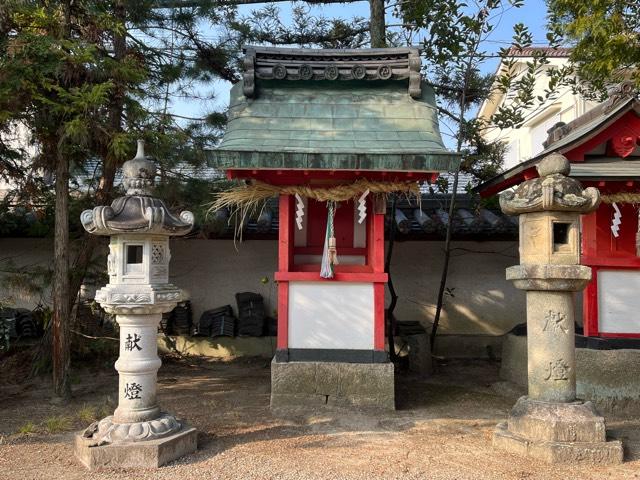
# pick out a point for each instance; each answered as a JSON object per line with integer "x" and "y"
{"x": 303, "y": 29}
{"x": 452, "y": 37}
{"x": 605, "y": 37}
{"x": 452, "y": 33}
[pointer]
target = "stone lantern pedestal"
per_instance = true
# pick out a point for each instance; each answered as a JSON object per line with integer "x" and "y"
{"x": 550, "y": 423}
{"x": 138, "y": 434}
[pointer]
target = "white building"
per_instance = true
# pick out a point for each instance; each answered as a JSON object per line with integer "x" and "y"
{"x": 18, "y": 138}
{"x": 525, "y": 142}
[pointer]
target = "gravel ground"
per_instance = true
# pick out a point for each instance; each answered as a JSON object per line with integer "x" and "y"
{"x": 442, "y": 429}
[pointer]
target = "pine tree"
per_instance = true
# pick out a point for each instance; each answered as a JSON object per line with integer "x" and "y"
{"x": 85, "y": 78}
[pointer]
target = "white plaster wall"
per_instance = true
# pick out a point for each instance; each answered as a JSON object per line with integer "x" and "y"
{"x": 212, "y": 271}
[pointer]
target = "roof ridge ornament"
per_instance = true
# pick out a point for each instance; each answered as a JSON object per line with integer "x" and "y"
{"x": 618, "y": 93}
{"x": 270, "y": 63}
{"x": 554, "y": 190}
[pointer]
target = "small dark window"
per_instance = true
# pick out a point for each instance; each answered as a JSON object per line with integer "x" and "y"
{"x": 134, "y": 254}
{"x": 561, "y": 233}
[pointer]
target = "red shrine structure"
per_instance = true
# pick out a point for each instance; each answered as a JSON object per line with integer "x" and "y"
{"x": 603, "y": 148}
{"x": 316, "y": 125}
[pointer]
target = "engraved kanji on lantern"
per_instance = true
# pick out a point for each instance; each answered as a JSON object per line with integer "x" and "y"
{"x": 138, "y": 293}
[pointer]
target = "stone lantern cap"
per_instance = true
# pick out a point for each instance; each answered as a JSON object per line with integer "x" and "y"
{"x": 137, "y": 212}
{"x": 553, "y": 190}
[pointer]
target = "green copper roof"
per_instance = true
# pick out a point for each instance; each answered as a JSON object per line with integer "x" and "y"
{"x": 373, "y": 125}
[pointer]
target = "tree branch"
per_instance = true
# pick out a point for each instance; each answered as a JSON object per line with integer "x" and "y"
{"x": 192, "y": 3}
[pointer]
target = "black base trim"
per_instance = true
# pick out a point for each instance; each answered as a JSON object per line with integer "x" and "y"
{"x": 331, "y": 355}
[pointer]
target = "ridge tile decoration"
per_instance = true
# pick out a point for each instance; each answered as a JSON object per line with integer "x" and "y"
{"x": 263, "y": 63}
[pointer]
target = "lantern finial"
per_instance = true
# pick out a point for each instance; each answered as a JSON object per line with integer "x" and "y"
{"x": 139, "y": 173}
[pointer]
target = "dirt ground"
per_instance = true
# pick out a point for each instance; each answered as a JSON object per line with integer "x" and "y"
{"x": 441, "y": 430}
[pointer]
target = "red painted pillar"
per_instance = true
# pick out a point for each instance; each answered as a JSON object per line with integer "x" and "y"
{"x": 285, "y": 260}
{"x": 376, "y": 261}
{"x": 590, "y": 295}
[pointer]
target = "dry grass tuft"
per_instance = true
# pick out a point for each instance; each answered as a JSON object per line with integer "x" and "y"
{"x": 58, "y": 424}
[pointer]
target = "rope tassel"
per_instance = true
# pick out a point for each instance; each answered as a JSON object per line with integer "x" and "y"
{"x": 330, "y": 252}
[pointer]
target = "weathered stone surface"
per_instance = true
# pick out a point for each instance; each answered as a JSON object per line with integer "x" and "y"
{"x": 147, "y": 454}
{"x": 297, "y": 400}
{"x": 610, "y": 379}
{"x": 419, "y": 353}
{"x": 293, "y": 378}
{"x": 366, "y": 379}
{"x": 554, "y": 163}
{"x": 328, "y": 378}
{"x": 596, "y": 453}
{"x": 138, "y": 293}
{"x": 547, "y": 277}
{"x": 552, "y": 191}
{"x": 366, "y": 385}
{"x": 550, "y": 324}
{"x": 559, "y": 422}
{"x": 550, "y": 424}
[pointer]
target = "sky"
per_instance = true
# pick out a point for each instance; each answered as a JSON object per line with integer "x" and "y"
{"x": 532, "y": 13}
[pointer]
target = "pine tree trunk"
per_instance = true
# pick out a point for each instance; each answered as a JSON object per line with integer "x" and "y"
{"x": 376, "y": 24}
{"x": 61, "y": 304}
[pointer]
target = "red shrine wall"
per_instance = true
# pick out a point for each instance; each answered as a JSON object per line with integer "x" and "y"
{"x": 611, "y": 298}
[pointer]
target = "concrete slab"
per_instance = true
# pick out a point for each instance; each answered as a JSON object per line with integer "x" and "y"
{"x": 145, "y": 454}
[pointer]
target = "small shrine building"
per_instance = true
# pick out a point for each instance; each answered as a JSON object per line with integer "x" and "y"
{"x": 331, "y": 133}
{"x": 603, "y": 146}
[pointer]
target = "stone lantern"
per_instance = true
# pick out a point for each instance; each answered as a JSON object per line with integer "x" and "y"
{"x": 138, "y": 434}
{"x": 550, "y": 423}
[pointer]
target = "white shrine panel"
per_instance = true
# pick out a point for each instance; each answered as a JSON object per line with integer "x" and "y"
{"x": 331, "y": 315}
{"x": 619, "y": 301}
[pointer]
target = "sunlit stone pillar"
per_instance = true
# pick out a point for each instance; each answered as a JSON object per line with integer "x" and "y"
{"x": 550, "y": 423}
{"x": 138, "y": 434}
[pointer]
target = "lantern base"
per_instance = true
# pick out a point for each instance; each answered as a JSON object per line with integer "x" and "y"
{"x": 141, "y": 454}
{"x": 559, "y": 433}
{"x": 109, "y": 431}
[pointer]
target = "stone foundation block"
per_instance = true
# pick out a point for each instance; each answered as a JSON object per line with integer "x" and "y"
{"x": 595, "y": 453}
{"x": 557, "y": 433}
{"x": 144, "y": 454}
{"x": 366, "y": 385}
{"x": 558, "y": 422}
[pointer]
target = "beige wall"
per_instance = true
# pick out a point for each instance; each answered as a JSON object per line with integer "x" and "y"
{"x": 212, "y": 271}
{"x": 483, "y": 301}
{"x": 24, "y": 252}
